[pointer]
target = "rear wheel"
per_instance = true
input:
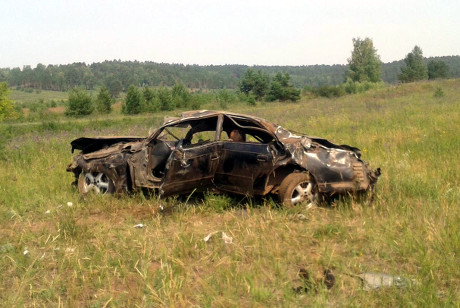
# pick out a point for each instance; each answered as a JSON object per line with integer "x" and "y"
{"x": 98, "y": 182}
{"x": 297, "y": 188}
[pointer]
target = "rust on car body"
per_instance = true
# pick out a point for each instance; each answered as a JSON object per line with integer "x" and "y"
{"x": 195, "y": 152}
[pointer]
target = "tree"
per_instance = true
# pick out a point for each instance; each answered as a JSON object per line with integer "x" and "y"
{"x": 254, "y": 82}
{"x": 437, "y": 69}
{"x": 282, "y": 89}
{"x": 165, "y": 98}
{"x": 415, "y": 68}
{"x": 114, "y": 86}
{"x": 7, "y": 110}
{"x": 104, "y": 101}
{"x": 180, "y": 95}
{"x": 151, "y": 103}
{"x": 132, "y": 103}
{"x": 364, "y": 64}
{"x": 80, "y": 103}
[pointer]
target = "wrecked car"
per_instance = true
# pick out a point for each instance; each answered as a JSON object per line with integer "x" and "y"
{"x": 225, "y": 152}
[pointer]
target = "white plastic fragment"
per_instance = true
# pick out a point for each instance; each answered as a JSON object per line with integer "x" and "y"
{"x": 47, "y": 212}
{"x": 207, "y": 237}
{"x": 227, "y": 239}
{"x": 26, "y": 252}
{"x": 139, "y": 226}
{"x": 379, "y": 280}
{"x": 69, "y": 204}
{"x": 301, "y": 216}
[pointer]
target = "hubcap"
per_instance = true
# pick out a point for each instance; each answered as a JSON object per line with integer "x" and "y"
{"x": 302, "y": 192}
{"x": 96, "y": 181}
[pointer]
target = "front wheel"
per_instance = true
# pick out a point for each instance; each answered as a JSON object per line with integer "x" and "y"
{"x": 297, "y": 188}
{"x": 98, "y": 182}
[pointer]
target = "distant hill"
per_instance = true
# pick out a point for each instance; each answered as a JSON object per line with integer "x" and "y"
{"x": 121, "y": 74}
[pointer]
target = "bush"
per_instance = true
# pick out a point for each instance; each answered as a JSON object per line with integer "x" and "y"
{"x": 150, "y": 101}
{"x": 132, "y": 103}
{"x": 224, "y": 97}
{"x": 104, "y": 101}
{"x": 438, "y": 92}
{"x": 165, "y": 98}
{"x": 329, "y": 91}
{"x": 80, "y": 103}
{"x": 251, "y": 100}
{"x": 7, "y": 110}
{"x": 281, "y": 89}
{"x": 353, "y": 87}
{"x": 180, "y": 95}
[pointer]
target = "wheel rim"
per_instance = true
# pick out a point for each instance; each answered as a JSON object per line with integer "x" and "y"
{"x": 302, "y": 192}
{"x": 97, "y": 182}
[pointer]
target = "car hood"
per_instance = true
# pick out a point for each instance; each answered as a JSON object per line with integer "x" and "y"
{"x": 90, "y": 144}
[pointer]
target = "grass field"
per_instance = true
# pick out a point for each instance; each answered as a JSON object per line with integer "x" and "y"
{"x": 90, "y": 254}
{"x": 35, "y": 96}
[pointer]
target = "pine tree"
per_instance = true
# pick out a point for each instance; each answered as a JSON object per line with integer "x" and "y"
{"x": 104, "y": 101}
{"x": 80, "y": 103}
{"x": 415, "y": 68}
{"x": 132, "y": 103}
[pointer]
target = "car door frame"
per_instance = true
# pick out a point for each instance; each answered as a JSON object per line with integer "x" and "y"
{"x": 191, "y": 168}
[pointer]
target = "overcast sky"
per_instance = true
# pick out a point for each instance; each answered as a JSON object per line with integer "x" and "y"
{"x": 259, "y": 32}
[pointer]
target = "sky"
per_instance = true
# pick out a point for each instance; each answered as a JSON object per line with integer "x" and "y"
{"x": 205, "y": 32}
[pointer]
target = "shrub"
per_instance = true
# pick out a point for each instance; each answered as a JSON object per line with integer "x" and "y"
{"x": 353, "y": 87}
{"x": 329, "y": 91}
{"x": 438, "y": 92}
{"x": 165, "y": 98}
{"x": 79, "y": 104}
{"x": 104, "y": 101}
{"x": 132, "y": 103}
{"x": 7, "y": 110}
{"x": 224, "y": 97}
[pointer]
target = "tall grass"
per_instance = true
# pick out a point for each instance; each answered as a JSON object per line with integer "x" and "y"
{"x": 90, "y": 254}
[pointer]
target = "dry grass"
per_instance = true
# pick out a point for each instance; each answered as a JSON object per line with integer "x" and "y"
{"x": 90, "y": 254}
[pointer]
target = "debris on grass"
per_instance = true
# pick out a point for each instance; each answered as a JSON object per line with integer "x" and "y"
{"x": 372, "y": 281}
{"x": 301, "y": 216}
{"x": 26, "y": 252}
{"x": 328, "y": 279}
{"x": 48, "y": 212}
{"x": 139, "y": 226}
{"x": 207, "y": 237}
{"x": 309, "y": 283}
{"x": 69, "y": 204}
{"x": 227, "y": 239}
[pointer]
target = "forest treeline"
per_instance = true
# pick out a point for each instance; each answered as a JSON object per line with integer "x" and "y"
{"x": 118, "y": 75}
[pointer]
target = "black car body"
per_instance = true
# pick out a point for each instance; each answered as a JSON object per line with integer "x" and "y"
{"x": 194, "y": 152}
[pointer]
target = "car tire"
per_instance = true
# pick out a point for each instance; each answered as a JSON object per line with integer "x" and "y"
{"x": 97, "y": 182}
{"x": 297, "y": 188}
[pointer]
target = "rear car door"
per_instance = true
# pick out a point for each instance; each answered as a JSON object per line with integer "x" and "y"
{"x": 243, "y": 167}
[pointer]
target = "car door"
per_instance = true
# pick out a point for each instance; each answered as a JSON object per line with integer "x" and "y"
{"x": 193, "y": 165}
{"x": 243, "y": 166}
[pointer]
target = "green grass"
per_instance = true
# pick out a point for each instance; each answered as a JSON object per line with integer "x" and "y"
{"x": 35, "y": 96}
{"x": 91, "y": 255}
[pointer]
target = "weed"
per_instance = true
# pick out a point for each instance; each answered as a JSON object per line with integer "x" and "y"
{"x": 91, "y": 255}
